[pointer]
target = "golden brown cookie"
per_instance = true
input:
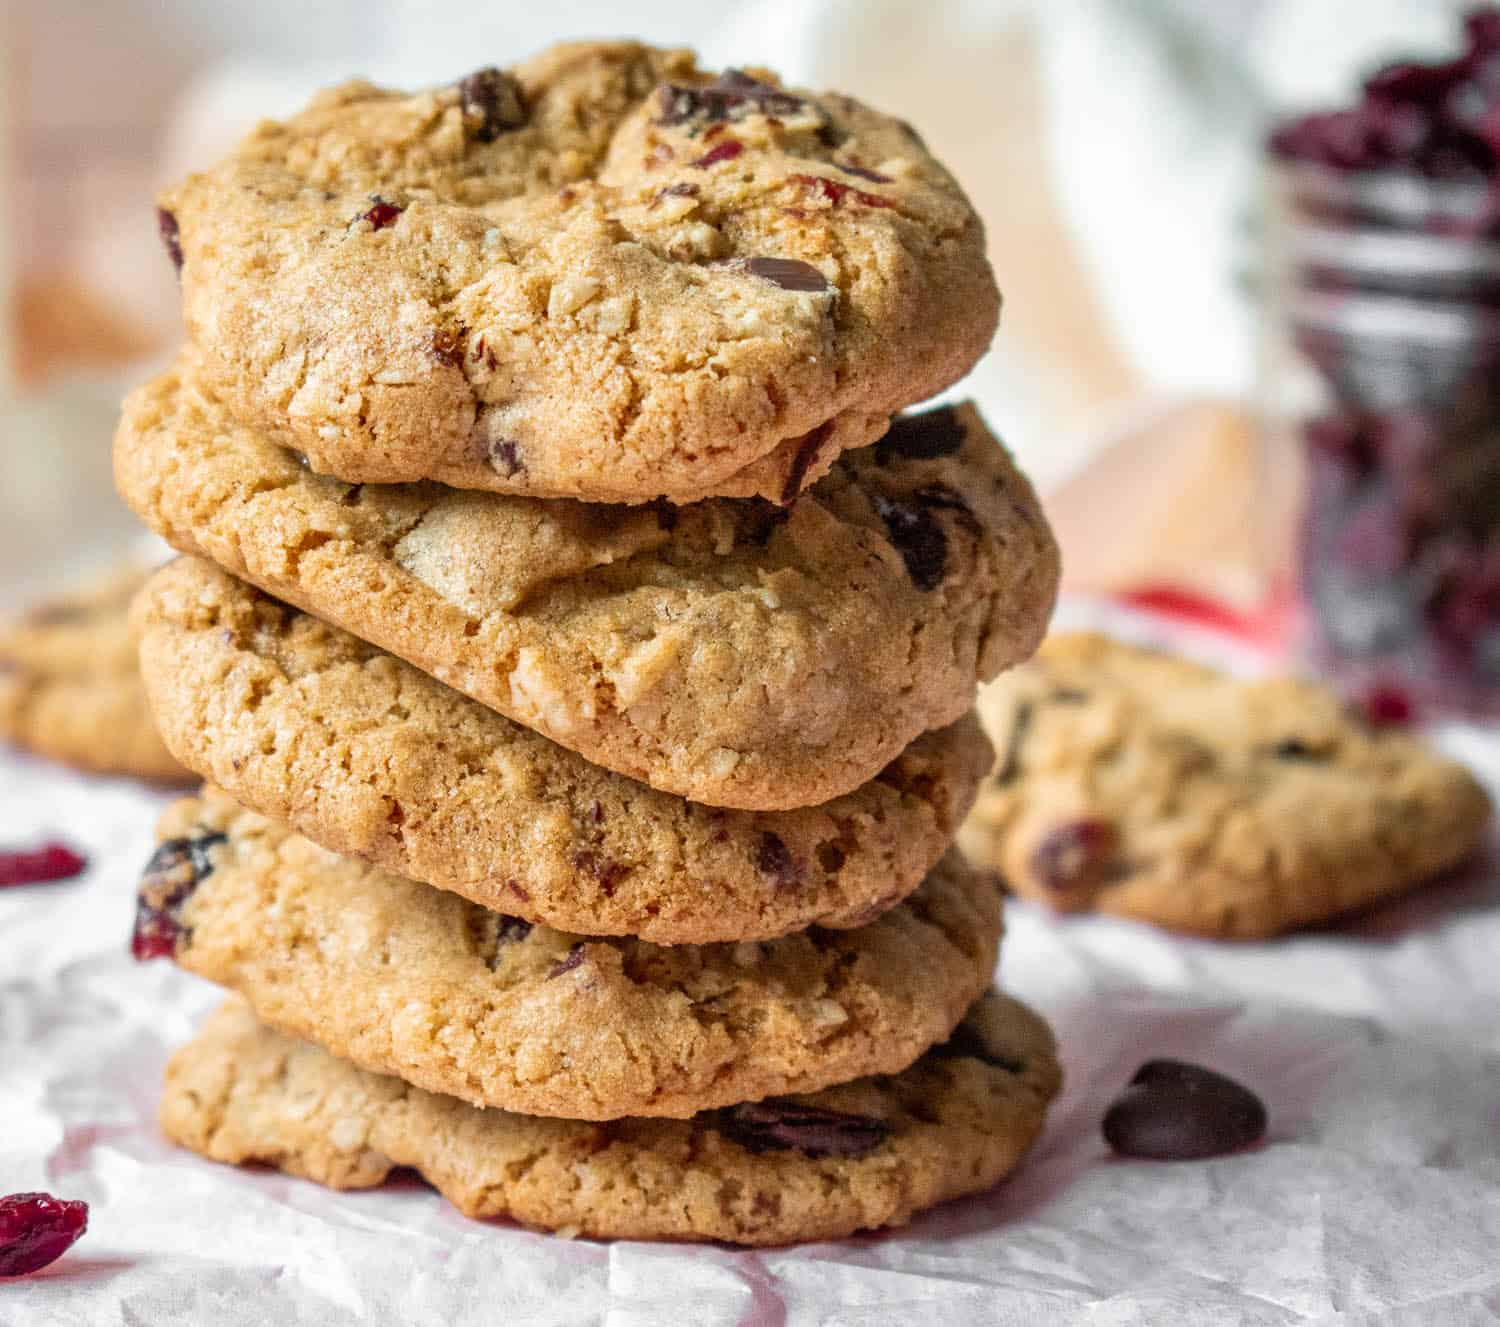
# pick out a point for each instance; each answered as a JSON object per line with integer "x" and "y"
{"x": 70, "y": 688}
{"x": 405, "y": 979}
{"x": 603, "y": 275}
{"x": 366, "y": 755}
{"x": 859, "y": 1156}
{"x": 732, "y": 652}
{"x": 1134, "y": 782}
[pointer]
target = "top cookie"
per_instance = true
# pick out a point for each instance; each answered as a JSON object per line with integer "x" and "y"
{"x": 1133, "y": 782}
{"x": 70, "y": 689}
{"x": 603, "y": 275}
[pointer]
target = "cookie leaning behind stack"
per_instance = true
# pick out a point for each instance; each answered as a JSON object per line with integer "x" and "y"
{"x": 615, "y": 835}
{"x": 1136, "y": 783}
{"x": 70, "y": 687}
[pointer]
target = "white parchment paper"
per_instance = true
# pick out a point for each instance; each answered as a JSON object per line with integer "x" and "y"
{"x": 1375, "y": 1201}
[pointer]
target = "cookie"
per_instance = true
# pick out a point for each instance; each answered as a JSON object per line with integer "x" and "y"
{"x": 732, "y": 652}
{"x": 409, "y": 980}
{"x": 603, "y": 275}
{"x": 70, "y": 689}
{"x": 860, "y": 1156}
{"x": 366, "y": 755}
{"x": 1133, "y": 782}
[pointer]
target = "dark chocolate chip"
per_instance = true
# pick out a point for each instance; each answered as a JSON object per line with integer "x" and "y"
{"x": 921, "y": 437}
{"x": 492, "y": 104}
{"x": 568, "y": 962}
{"x": 1010, "y": 764}
{"x": 171, "y": 236}
{"x": 758, "y": 520}
{"x": 967, "y": 1044}
{"x": 778, "y": 1126}
{"x": 176, "y": 869}
{"x": 512, "y": 930}
{"x": 381, "y": 212}
{"x": 807, "y": 452}
{"x": 943, "y": 498}
{"x": 1174, "y": 1111}
{"x": 773, "y": 858}
{"x": 494, "y": 933}
{"x": 917, "y": 534}
{"x": 784, "y": 273}
{"x": 1067, "y": 696}
{"x": 732, "y": 96}
{"x": 609, "y": 874}
{"x": 863, "y": 172}
{"x": 1075, "y": 855}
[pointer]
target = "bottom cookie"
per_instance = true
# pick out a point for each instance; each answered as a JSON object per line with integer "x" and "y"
{"x": 859, "y": 1156}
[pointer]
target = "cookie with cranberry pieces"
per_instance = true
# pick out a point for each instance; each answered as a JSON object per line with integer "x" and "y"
{"x": 860, "y": 1156}
{"x": 367, "y": 755}
{"x": 1133, "y": 782}
{"x": 732, "y": 652}
{"x": 604, "y": 274}
{"x": 409, "y": 980}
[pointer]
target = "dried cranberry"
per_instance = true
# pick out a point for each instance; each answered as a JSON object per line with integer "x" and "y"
{"x": 921, "y": 437}
{"x": 1174, "y": 1111}
{"x": 609, "y": 874}
{"x": 774, "y": 859}
{"x": 1387, "y": 705}
{"x": 1482, "y": 27}
{"x": 36, "y": 1229}
{"x": 176, "y": 869}
{"x": 171, "y": 236}
{"x": 835, "y": 191}
{"x": 381, "y": 212}
{"x": 732, "y": 96}
{"x": 728, "y": 150}
{"x": 1436, "y": 119}
{"x": 52, "y": 861}
{"x": 778, "y": 1126}
{"x": 1076, "y": 855}
{"x": 491, "y": 103}
{"x": 863, "y": 173}
{"x": 572, "y": 959}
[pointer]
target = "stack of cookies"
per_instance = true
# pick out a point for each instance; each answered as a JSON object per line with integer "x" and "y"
{"x": 585, "y": 703}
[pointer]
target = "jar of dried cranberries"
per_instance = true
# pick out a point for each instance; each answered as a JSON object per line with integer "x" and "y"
{"x": 1382, "y": 360}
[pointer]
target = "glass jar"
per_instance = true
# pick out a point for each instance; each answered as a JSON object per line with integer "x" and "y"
{"x": 1380, "y": 373}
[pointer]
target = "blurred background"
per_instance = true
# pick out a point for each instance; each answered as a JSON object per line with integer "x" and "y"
{"x": 1114, "y": 147}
